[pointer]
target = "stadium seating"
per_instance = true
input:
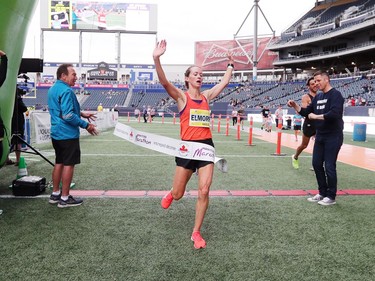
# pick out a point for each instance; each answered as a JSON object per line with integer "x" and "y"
{"x": 326, "y": 18}
{"x": 109, "y": 98}
{"x": 249, "y": 95}
{"x": 39, "y": 100}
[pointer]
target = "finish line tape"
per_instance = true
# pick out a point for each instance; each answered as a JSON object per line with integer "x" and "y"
{"x": 169, "y": 146}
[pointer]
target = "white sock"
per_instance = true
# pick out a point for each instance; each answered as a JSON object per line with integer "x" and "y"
{"x": 56, "y": 193}
{"x": 64, "y": 198}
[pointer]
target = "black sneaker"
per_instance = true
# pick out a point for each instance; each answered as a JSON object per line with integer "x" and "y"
{"x": 54, "y": 199}
{"x": 71, "y": 202}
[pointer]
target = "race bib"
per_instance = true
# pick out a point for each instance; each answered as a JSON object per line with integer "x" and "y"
{"x": 199, "y": 118}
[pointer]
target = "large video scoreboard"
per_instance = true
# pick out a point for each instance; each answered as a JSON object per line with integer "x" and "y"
{"x": 98, "y": 15}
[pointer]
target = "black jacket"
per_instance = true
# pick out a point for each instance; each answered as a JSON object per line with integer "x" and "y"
{"x": 3, "y": 69}
{"x": 18, "y": 120}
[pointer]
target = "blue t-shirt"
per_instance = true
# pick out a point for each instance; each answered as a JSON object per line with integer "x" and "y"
{"x": 297, "y": 119}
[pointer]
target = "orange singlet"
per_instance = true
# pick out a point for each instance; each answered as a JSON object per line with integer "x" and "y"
{"x": 195, "y": 119}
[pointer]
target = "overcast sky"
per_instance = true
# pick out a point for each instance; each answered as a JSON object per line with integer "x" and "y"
{"x": 181, "y": 23}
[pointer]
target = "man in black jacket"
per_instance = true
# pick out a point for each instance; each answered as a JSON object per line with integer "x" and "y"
{"x": 326, "y": 110}
{"x": 3, "y": 75}
{"x": 3, "y": 67}
{"x": 18, "y": 125}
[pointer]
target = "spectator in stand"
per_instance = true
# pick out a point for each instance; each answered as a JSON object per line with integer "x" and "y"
{"x": 363, "y": 101}
{"x": 100, "y": 107}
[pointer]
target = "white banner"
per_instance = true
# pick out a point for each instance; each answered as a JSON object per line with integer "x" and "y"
{"x": 42, "y": 124}
{"x": 169, "y": 146}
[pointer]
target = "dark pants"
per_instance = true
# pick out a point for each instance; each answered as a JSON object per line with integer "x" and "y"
{"x": 326, "y": 150}
{"x": 277, "y": 122}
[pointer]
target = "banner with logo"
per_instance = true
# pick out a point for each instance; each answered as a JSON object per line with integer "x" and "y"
{"x": 212, "y": 55}
{"x": 169, "y": 146}
{"x": 42, "y": 124}
{"x": 102, "y": 72}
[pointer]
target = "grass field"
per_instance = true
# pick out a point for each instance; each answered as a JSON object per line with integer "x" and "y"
{"x": 248, "y": 238}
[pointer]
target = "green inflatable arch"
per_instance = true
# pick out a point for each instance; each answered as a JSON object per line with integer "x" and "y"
{"x": 15, "y": 17}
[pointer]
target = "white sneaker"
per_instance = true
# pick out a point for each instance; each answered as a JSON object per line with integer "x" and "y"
{"x": 327, "y": 202}
{"x": 315, "y": 198}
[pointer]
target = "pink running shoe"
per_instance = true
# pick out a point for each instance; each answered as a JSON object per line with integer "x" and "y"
{"x": 199, "y": 242}
{"x": 167, "y": 200}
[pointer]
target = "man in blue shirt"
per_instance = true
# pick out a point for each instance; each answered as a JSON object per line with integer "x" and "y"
{"x": 326, "y": 110}
{"x": 65, "y": 130}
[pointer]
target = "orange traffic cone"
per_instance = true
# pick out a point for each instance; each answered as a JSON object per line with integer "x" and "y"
{"x": 22, "y": 170}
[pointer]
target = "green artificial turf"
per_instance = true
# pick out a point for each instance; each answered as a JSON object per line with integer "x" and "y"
{"x": 248, "y": 238}
{"x": 109, "y": 162}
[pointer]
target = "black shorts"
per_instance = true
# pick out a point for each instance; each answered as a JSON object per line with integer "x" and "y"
{"x": 194, "y": 164}
{"x": 297, "y": 127}
{"x": 308, "y": 130}
{"x": 16, "y": 139}
{"x": 67, "y": 152}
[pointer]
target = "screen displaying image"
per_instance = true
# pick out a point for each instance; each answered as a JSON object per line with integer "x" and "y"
{"x": 98, "y": 15}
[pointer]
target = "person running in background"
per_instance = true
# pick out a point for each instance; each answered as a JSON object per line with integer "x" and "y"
{"x": 297, "y": 122}
{"x": 241, "y": 117}
{"x": 192, "y": 102}
{"x": 268, "y": 124}
{"x": 308, "y": 128}
{"x": 326, "y": 110}
{"x": 234, "y": 116}
{"x": 144, "y": 114}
